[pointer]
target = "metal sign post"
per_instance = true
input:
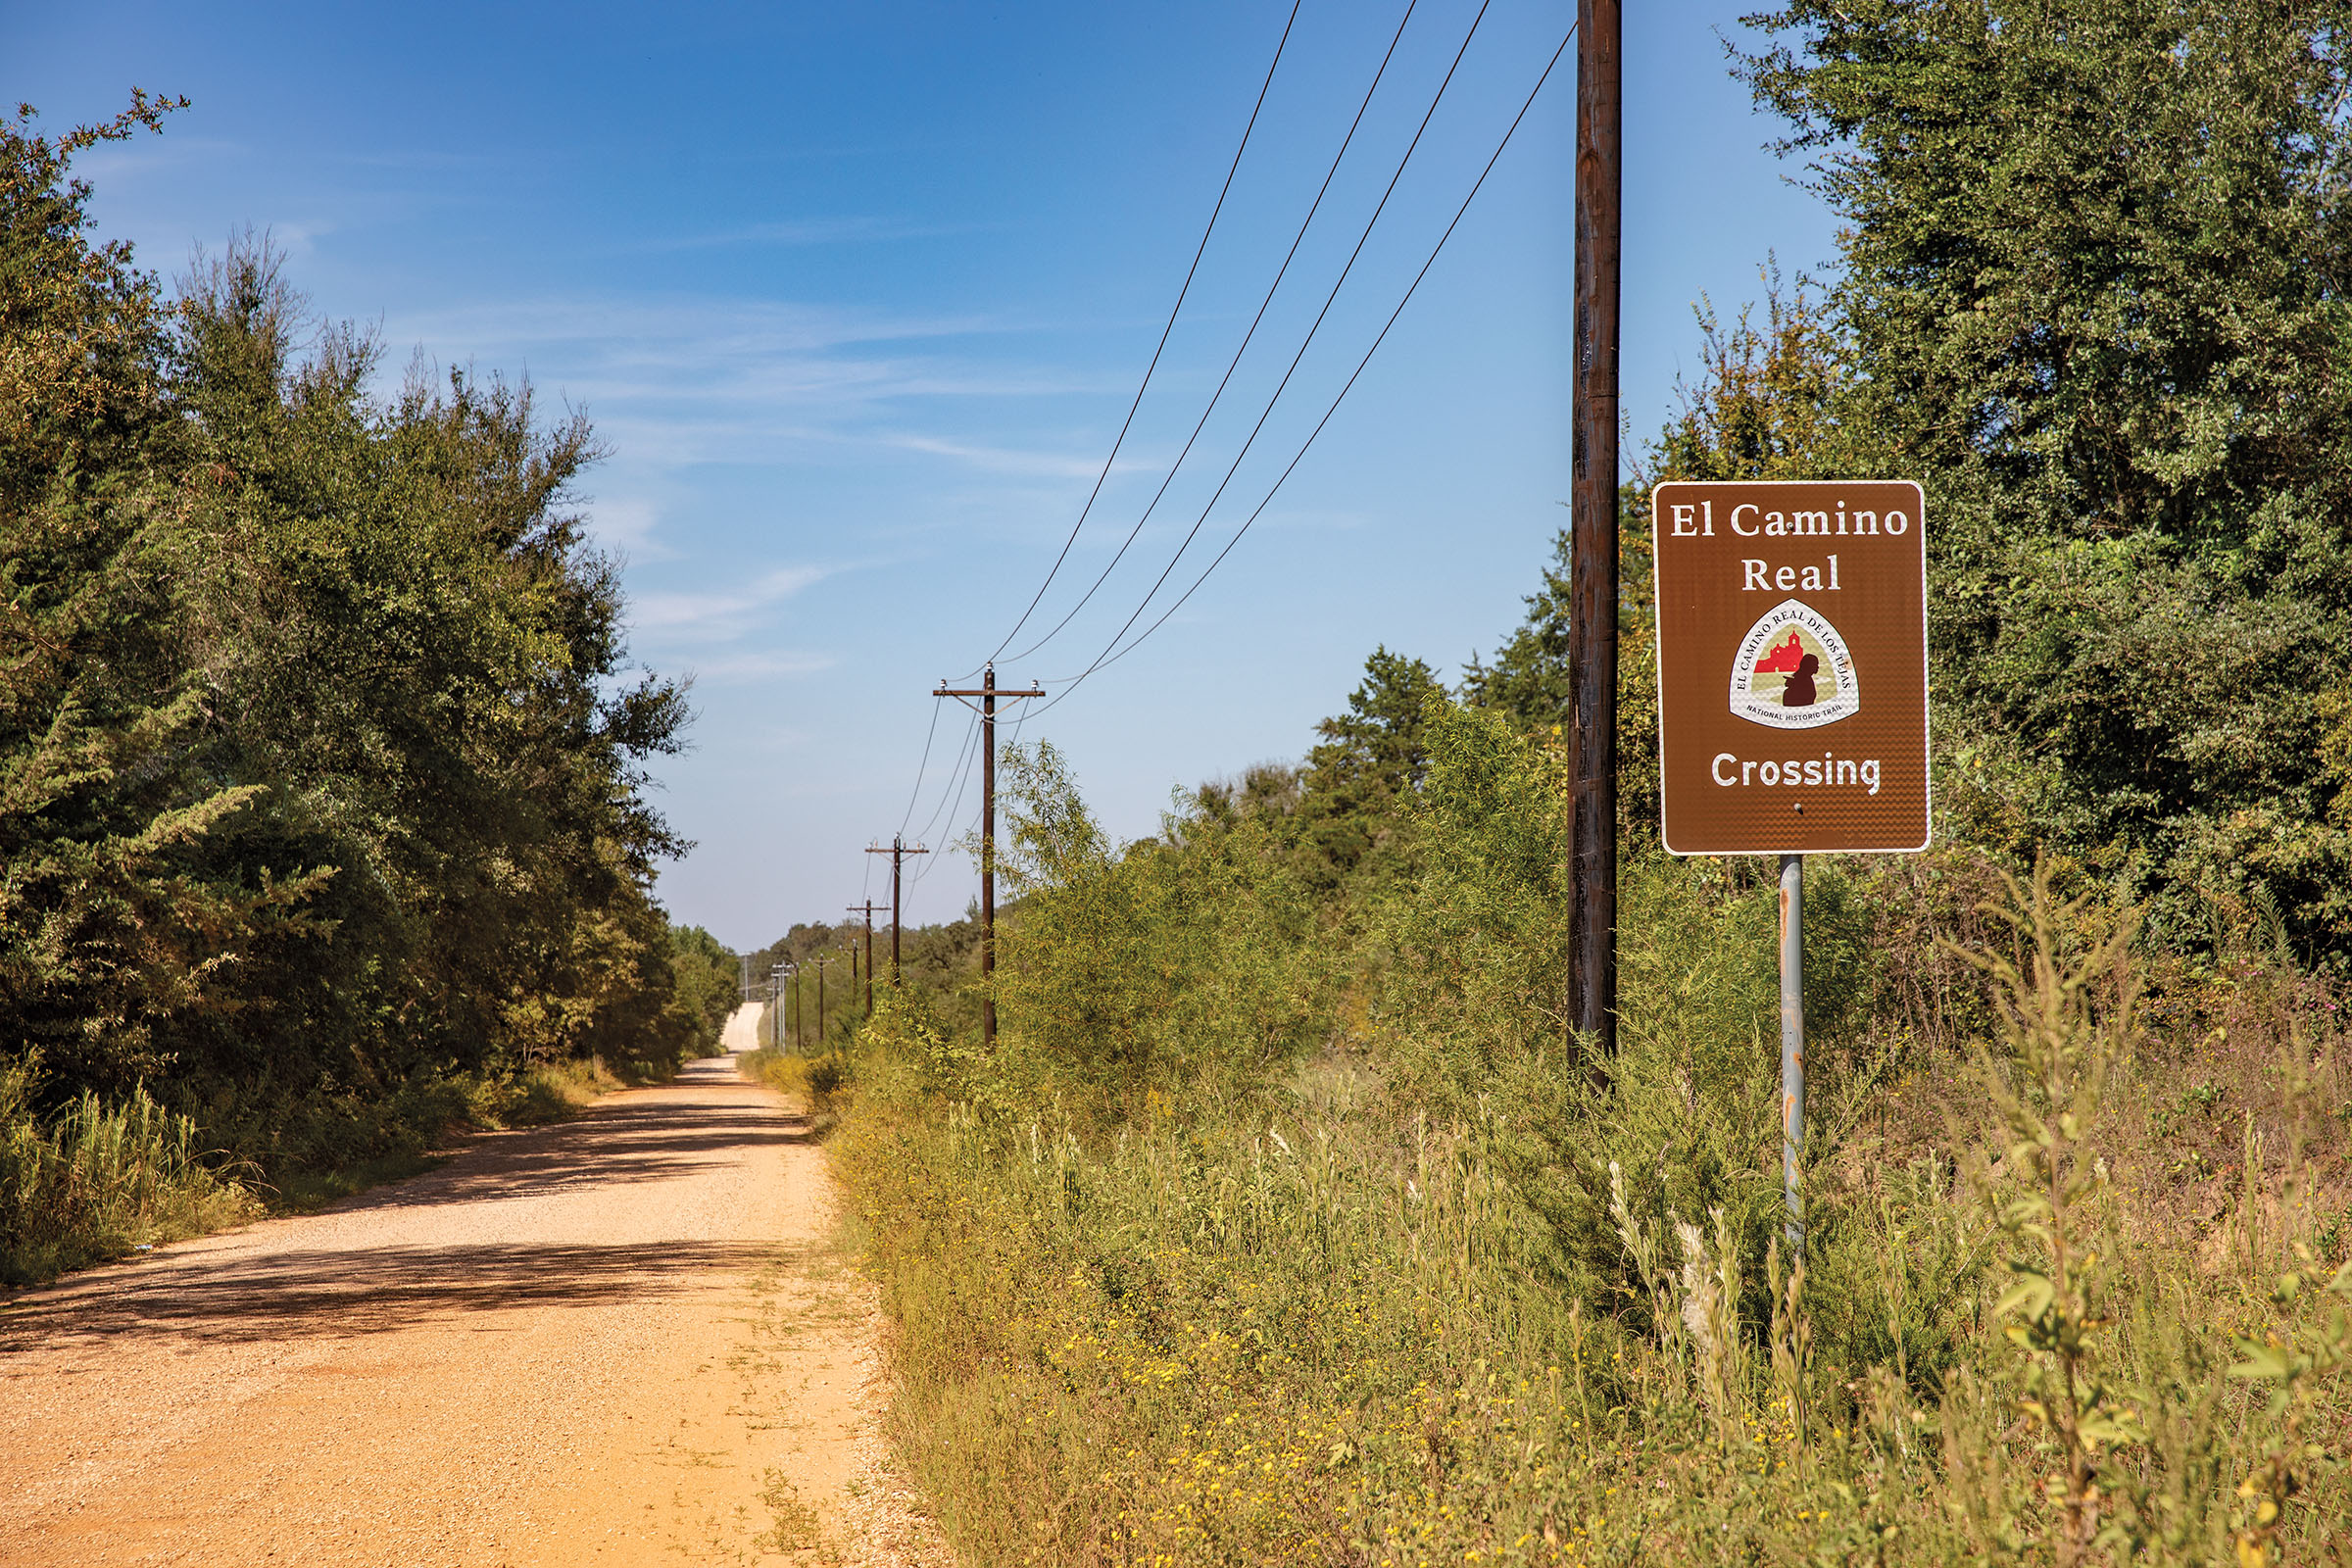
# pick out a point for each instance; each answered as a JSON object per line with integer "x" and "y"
{"x": 1793, "y": 696}
{"x": 1793, "y": 1041}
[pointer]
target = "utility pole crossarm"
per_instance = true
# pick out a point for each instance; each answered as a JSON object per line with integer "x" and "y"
{"x": 868, "y": 909}
{"x": 898, "y": 852}
{"x": 988, "y": 692}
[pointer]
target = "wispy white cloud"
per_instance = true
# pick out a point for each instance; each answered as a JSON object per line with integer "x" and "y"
{"x": 627, "y": 524}
{"x": 678, "y": 381}
{"x": 143, "y": 157}
{"x": 656, "y": 331}
{"x": 762, "y": 666}
{"x": 1003, "y": 460}
{"x": 722, "y": 615}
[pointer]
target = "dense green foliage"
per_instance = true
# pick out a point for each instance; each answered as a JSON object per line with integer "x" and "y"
{"x": 320, "y": 754}
{"x": 1368, "y": 765}
{"x": 2091, "y": 293}
{"x": 1177, "y": 966}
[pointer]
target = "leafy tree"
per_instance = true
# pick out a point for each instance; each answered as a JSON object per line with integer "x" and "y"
{"x": 709, "y": 981}
{"x": 1267, "y": 791}
{"x": 1177, "y": 967}
{"x": 1530, "y": 678}
{"x": 320, "y": 767}
{"x": 2092, "y": 296}
{"x": 1367, "y": 768}
{"x": 111, "y": 924}
{"x": 1770, "y": 403}
{"x": 406, "y": 638}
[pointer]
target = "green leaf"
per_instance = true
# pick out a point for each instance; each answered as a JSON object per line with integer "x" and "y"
{"x": 2031, "y": 1294}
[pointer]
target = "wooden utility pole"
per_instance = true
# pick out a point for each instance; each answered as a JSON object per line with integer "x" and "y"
{"x": 1593, "y": 523}
{"x": 820, "y": 1002}
{"x": 988, "y": 694}
{"x": 898, "y": 848}
{"x": 868, "y": 909}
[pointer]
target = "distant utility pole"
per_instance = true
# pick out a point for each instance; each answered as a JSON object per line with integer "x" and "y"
{"x": 745, "y": 959}
{"x": 820, "y": 1002}
{"x": 775, "y": 1010}
{"x": 988, "y": 694}
{"x": 1592, "y": 521}
{"x": 868, "y": 909}
{"x": 898, "y": 848}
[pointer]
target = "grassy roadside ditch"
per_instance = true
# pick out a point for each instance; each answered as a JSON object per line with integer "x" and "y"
{"x": 820, "y": 1081}
{"x": 2087, "y": 1297}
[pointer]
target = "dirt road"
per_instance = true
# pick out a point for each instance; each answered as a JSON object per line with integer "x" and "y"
{"x": 622, "y": 1339}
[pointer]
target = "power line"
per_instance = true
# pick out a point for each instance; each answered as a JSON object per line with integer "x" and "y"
{"x": 990, "y": 694}
{"x": 1320, "y": 316}
{"x": 952, "y": 809}
{"x": 917, "y": 793}
{"x": 1070, "y": 683}
{"x": 1246, "y": 337}
{"x": 955, "y": 790}
{"x": 1198, "y": 252}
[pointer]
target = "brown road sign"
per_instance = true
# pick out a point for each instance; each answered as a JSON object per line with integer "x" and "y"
{"x": 1793, "y": 665}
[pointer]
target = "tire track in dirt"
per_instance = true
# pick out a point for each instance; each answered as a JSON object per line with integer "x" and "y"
{"x": 627, "y": 1338}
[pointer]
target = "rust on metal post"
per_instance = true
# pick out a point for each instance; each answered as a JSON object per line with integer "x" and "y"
{"x": 1592, "y": 504}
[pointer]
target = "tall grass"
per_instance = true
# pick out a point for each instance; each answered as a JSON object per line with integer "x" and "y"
{"x": 96, "y": 1181}
{"x": 1310, "y": 1339}
{"x": 2075, "y": 1282}
{"x": 817, "y": 1081}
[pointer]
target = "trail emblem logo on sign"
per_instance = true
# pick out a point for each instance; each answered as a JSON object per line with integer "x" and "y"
{"x": 1793, "y": 672}
{"x": 1793, "y": 665}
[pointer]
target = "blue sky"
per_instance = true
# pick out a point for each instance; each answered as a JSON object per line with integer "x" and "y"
{"x": 859, "y": 295}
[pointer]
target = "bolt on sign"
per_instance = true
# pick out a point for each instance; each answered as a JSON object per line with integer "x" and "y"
{"x": 1793, "y": 665}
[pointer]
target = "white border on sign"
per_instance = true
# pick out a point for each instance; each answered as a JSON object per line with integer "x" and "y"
{"x": 1928, "y": 707}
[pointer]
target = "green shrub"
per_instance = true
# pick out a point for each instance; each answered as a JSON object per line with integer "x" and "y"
{"x": 1176, "y": 971}
{"x": 95, "y": 1181}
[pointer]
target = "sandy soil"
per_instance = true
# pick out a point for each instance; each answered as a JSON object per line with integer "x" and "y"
{"x": 628, "y": 1338}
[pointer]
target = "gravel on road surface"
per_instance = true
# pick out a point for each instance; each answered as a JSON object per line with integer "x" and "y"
{"x": 628, "y": 1338}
